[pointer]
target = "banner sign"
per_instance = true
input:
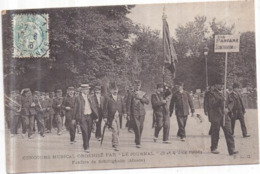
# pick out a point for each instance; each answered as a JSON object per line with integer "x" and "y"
{"x": 227, "y": 43}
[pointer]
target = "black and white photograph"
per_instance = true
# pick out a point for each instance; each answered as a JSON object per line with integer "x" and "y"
{"x": 130, "y": 86}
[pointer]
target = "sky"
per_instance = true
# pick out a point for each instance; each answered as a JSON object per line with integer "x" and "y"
{"x": 239, "y": 13}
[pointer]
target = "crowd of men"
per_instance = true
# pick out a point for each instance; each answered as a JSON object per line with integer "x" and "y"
{"x": 86, "y": 107}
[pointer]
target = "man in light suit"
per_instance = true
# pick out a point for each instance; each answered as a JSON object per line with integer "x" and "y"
{"x": 114, "y": 108}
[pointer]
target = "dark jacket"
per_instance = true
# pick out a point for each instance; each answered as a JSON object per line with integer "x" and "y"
{"x": 69, "y": 102}
{"x": 207, "y": 105}
{"x": 100, "y": 106}
{"x": 57, "y": 105}
{"x": 79, "y": 108}
{"x": 26, "y": 106}
{"x": 235, "y": 104}
{"x": 135, "y": 107}
{"x": 182, "y": 102}
{"x": 111, "y": 106}
{"x": 216, "y": 106}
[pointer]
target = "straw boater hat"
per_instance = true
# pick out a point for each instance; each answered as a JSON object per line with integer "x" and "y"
{"x": 84, "y": 86}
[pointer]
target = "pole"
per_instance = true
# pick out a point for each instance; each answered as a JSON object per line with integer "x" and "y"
{"x": 225, "y": 87}
{"x": 207, "y": 81}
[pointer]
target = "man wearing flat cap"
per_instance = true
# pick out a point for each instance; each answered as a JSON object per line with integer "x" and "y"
{"x": 219, "y": 117}
{"x": 182, "y": 102}
{"x": 69, "y": 107}
{"x": 136, "y": 110}
{"x": 57, "y": 106}
{"x": 86, "y": 113}
{"x": 161, "y": 113}
{"x": 28, "y": 112}
{"x": 114, "y": 108}
{"x": 237, "y": 108}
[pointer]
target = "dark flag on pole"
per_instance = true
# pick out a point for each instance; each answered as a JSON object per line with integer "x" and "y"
{"x": 169, "y": 54}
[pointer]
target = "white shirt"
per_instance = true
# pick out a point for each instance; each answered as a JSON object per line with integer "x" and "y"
{"x": 114, "y": 97}
{"x": 87, "y": 108}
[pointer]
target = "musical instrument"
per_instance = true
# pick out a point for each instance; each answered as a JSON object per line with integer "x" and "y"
{"x": 13, "y": 105}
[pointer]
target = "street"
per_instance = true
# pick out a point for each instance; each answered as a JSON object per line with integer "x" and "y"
{"x": 55, "y": 153}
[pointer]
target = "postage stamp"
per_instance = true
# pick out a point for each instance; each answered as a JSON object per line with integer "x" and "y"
{"x": 30, "y": 36}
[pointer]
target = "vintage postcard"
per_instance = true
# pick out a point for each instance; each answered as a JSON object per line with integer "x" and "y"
{"x": 130, "y": 86}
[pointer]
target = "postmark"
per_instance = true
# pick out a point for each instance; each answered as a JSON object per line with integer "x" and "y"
{"x": 30, "y": 36}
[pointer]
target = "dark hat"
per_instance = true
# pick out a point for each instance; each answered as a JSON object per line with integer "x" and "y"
{"x": 235, "y": 85}
{"x": 98, "y": 88}
{"x": 71, "y": 88}
{"x": 137, "y": 82}
{"x": 179, "y": 84}
{"x": 219, "y": 81}
{"x": 52, "y": 93}
{"x": 59, "y": 91}
{"x": 113, "y": 85}
{"x": 159, "y": 85}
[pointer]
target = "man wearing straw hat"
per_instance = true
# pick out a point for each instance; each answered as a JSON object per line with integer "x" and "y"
{"x": 85, "y": 112}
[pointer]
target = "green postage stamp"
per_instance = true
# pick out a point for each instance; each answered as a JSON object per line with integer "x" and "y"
{"x": 30, "y": 36}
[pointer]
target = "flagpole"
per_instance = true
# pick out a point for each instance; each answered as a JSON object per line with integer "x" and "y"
{"x": 163, "y": 68}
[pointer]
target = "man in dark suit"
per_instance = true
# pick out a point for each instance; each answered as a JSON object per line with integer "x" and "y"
{"x": 237, "y": 108}
{"x": 218, "y": 116}
{"x": 99, "y": 99}
{"x": 129, "y": 122}
{"x": 28, "y": 112}
{"x": 114, "y": 108}
{"x": 69, "y": 107}
{"x": 136, "y": 109}
{"x": 206, "y": 104}
{"x": 182, "y": 101}
{"x": 161, "y": 113}
{"x": 86, "y": 113}
{"x": 57, "y": 106}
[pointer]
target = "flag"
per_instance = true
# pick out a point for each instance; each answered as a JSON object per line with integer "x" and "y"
{"x": 169, "y": 53}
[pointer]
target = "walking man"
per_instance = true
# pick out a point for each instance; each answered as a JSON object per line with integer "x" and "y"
{"x": 114, "y": 108}
{"x": 237, "y": 109}
{"x": 220, "y": 118}
{"x": 181, "y": 100}
{"x": 69, "y": 107}
{"x": 161, "y": 113}
{"x": 57, "y": 106}
{"x": 85, "y": 110}
{"x": 136, "y": 109}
